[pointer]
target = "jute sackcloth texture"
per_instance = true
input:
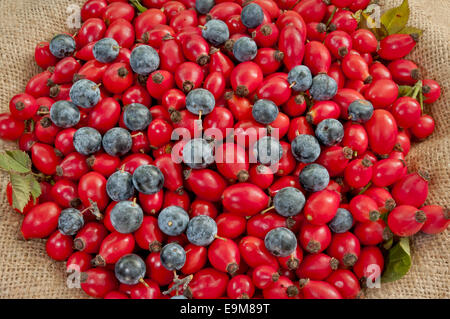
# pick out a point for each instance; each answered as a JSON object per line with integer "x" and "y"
{"x": 27, "y": 272}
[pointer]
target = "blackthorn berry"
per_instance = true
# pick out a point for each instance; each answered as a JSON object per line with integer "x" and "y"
{"x": 341, "y": 222}
{"x": 106, "y": 50}
{"x": 280, "y": 242}
{"x": 173, "y": 220}
{"x": 198, "y": 153}
{"x": 330, "y": 132}
{"x": 65, "y": 114}
{"x": 70, "y": 221}
{"x": 204, "y": 6}
{"x": 130, "y": 269}
{"x": 148, "y": 179}
{"x": 289, "y": 201}
{"x": 268, "y": 150}
{"x": 360, "y": 111}
{"x": 305, "y": 148}
{"x": 126, "y": 217}
{"x": 144, "y": 60}
{"x": 300, "y": 78}
{"x": 85, "y": 93}
{"x": 216, "y": 32}
{"x": 323, "y": 87}
{"x": 117, "y": 141}
{"x": 120, "y": 186}
{"x": 62, "y": 45}
{"x": 201, "y": 230}
{"x": 265, "y": 111}
{"x": 314, "y": 178}
{"x": 87, "y": 140}
{"x": 200, "y": 100}
{"x": 252, "y": 15}
{"x": 173, "y": 256}
{"x": 137, "y": 117}
{"x": 245, "y": 49}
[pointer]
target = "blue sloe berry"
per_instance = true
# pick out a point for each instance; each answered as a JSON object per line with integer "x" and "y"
{"x": 173, "y": 256}
{"x": 148, "y": 179}
{"x": 130, "y": 269}
{"x": 117, "y": 141}
{"x": 305, "y": 148}
{"x": 268, "y": 150}
{"x": 87, "y": 140}
{"x": 137, "y": 117}
{"x": 198, "y": 153}
{"x": 216, "y": 32}
{"x": 314, "y": 178}
{"x": 341, "y": 222}
{"x": 85, "y": 93}
{"x": 120, "y": 186}
{"x": 144, "y": 60}
{"x": 173, "y": 220}
{"x": 201, "y": 230}
{"x": 126, "y": 217}
{"x": 300, "y": 78}
{"x": 252, "y": 15}
{"x": 245, "y": 49}
{"x": 265, "y": 111}
{"x": 106, "y": 50}
{"x": 62, "y": 45}
{"x": 323, "y": 87}
{"x": 280, "y": 242}
{"x": 70, "y": 221}
{"x": 360, "y": 111}
{"x": 289, "y": 201}
{"x": 330, "y": 132}
{"x": 204, "y": 6}
{"x": 200, "y": 100}
{"x": 64, "y": 114}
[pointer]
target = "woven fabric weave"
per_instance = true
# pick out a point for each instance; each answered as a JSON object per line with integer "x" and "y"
{"x": 27, "y": 272}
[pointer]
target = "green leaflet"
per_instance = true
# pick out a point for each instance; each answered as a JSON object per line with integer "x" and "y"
{"x": 21, "y": 186}
{"x": 398, "y": 261}
{"x": 23, "y": 182}
{"x": 36, "y": 190}
{"x": 395, "y": 19}
{"x": 15, "y": 161}
{"x": 411, "y": 30}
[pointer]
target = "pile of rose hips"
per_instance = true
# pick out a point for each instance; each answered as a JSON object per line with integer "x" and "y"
{"x": 138, "y": 218}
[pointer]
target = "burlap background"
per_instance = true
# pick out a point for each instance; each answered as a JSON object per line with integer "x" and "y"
{"x": 27, "y": 272}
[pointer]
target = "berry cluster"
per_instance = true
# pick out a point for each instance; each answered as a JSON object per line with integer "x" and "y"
{"x": 209, "y": 148}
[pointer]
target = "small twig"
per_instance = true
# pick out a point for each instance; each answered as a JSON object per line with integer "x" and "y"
{"x": 177, "y": 282}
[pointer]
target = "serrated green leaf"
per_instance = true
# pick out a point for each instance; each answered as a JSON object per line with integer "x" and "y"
{"x": 20, "y": 157}
{"x": 396, "y": 19}
{"x": 398, "y": 261}
{"x": 36, "y": 190}
{"x": 15, "y": 161}
{"x": 404, "y": 90}
{"x": 411, "y": 30}
{"x": 21, "y": 190}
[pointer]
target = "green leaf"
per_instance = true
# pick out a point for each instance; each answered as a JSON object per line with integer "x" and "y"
{"x": 404, "y": 90}
{"x": 398, "y": 261}
{"x": 367, "y": 22}
{"x": 15, "y": 161}
{"x": 21, "y": 190}
{"x": 411, "y": 30}
{"x": 36, "y": 190}
{"x": 395, "y": 19}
